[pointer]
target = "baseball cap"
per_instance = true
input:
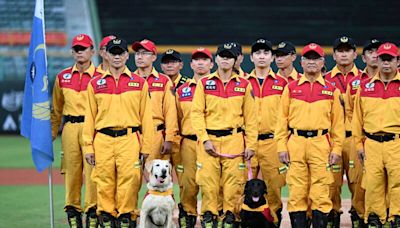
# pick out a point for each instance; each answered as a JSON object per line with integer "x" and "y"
{"x": 285, "y": 47}
{"x": 237, "y": 48}
{"x": 261, "y": 44}
{"x": 117, "y": 43}
{"x": 313, "y": 47}
{"x": 370, "y": 44}
{"x": 105, "y": 40}
{"x": 171, "y": 54}
{"x": 203, "y": 51}
{"x": 344, "y": 41}
{"x": 228, "y": 49}
{"x": 146, "y": 44}
{"x": 83, "y": 40}
{"x": 388, "y": 49}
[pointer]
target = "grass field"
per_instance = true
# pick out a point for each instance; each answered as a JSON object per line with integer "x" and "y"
{"x": 28, "y": 205}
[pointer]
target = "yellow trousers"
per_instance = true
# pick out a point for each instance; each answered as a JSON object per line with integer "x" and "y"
{"x": 355, "y": 179}
{"x": 268, "y": 160}
{"x": 382, "y": 165}
{"x": 74, "y": 165}
{"x": 117, "y": 172}
{"x": 308, "y": 163}
{"x": 212, "y": 171}
{"x": 189, "y": 188}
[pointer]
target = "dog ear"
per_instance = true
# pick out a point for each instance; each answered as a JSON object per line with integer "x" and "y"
{"x": 149, "y": 166}
{"x": 170, "y": 168}
{"x": 265, "y": 187}
{"x": 246, "y": 188}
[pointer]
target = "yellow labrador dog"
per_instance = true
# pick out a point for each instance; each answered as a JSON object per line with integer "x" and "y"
{"x": 158, "y": 204}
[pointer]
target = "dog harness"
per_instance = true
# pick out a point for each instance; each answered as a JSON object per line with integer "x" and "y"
{"x": 264, "y": 209}
{"x": 169, "y": 192}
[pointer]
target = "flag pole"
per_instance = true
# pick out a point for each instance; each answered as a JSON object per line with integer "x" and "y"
{"x": 51, "y": 197}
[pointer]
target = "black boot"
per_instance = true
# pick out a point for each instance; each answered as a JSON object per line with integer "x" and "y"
{"x": 374, "y": 221}
{"x": 91, "y": 218}
{"x": 74, "y": 217}
{"x": 209, "y": 220}
{"x": 185, "y": 220}
{"x": 229, "y": 220}
{"x": 298, "y": 219}
{"x": 107, "y": 220}
{"x": 124, "y": 221}
{"x": 279, "y": 215}
{"x": 333, "y": 219}
{"x": 356, "y": 221}
{"x": 319, "y": 219}
{"x": 396, "y": 222}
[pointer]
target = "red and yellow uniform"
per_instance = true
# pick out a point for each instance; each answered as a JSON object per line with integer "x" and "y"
{"x": 218, "y": 114}
{"x": 377, "y": 113}
{"x": 341, "y": 81}
{"x": 313, "y": 114}
{"x": 100, "y": 70}
{"x": 164, "y": 112}
{"x": 117, "y": 105}
{"x": 69, "y": 100}
{"x": 267, "y": 97}
{"x": 189, "y": 190}
{"x": 292, "y": 76}
{"x": 355, "y": 167}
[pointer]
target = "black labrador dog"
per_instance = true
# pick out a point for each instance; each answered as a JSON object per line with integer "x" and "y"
{"x": 254, "y": 213}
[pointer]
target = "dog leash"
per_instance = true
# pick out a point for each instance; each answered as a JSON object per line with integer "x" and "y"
{"x": 249, "y": 170}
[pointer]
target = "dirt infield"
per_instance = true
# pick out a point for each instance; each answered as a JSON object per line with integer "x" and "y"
{"x": 32, "y": 177}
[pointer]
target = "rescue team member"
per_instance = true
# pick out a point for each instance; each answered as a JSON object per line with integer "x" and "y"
{"x": 171, "y": 65}
{"x": 267, "y": 88}
{"x": 285, "y": 55}
{"x": 118, "y": 128}
{"x": 310, "y": 110}
{"x": 375, "y": 123}
{"x": 370, "y": 57}
{"x": 344, "y": 53}
{"x": 201, "y": 65}
{"x": 162, "y": 99}
{"x": 237, "y": 48}
{"x": 69, "y": 102}
{"x": 223, "y": 102}
{"x": 102, "y": 68}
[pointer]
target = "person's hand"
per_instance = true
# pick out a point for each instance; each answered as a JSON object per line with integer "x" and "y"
{"x": 334, "y": 159}
{"x": 248, "y": 154}
{"x": 361, "y": 156}
{"x": 209, "y": 148}
{"x": 284, "y": 157}
{"x": 166, "y": 147}
{"x": 90, "y": 159}
{"x": 144, "y": 157}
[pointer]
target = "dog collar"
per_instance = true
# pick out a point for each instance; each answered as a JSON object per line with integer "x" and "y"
{"x": 264, "y": 209}
{"x": 258, "y": 209}
{"x": 158, "y": 193}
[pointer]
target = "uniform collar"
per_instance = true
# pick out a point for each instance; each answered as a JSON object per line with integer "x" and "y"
{"x": 99, "y": 69}
{"x": 177, "y": 79}
{"x": 241, "y": 72}
{"x": 376, "y": 77}
{"x": 126, "y": 72}
{"x": 191, "y": 81}
{"x": 154, "y": 72}
{"x": 319, "y": 79}
{"x": 90, "y": 71}
{"x": 335, "y": 71}
{"x": 270, "y": 73}
{"x": 365, "y": 72}
{"x": 294, "y": 74}
{"x": 216, "y": 75}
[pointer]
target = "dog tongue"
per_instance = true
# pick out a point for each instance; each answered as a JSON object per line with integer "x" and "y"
{"x": 255, "y": 199}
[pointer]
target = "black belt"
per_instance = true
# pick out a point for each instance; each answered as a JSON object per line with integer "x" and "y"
{"x": 348, "y": 134}
{"x": 265, "y": 136}
{"x": 309, "y": 133}
{"x": 221, "y": 133}
{"x": 118, "y": 133}
{"x": 74, "y": 119}
{"x": 160, "y": 127}
{"x": 381, "y": 137}
{"x": 191, "y": 137}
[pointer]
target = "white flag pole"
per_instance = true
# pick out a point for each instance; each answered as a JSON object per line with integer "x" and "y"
{"x": 51, "y": 197}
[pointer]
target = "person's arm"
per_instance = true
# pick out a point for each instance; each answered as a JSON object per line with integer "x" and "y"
{"x": 358, "y": 123}
{"x": 146, "y": 119}
{"x": 170, "y": 113}
{"x": 197, "y": 113}
{"x": 282, "y": 129}
{"x": 57, "y": 110}
{"x": 250, "y": 119}
{"x": 88, "y": 131}
{"x": 337, "y": 124}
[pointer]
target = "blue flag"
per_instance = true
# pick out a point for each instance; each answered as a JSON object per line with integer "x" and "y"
{"x": 36, "y": 124}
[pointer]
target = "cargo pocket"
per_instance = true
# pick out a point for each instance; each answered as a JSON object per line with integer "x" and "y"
{"x": 62, "y": 165}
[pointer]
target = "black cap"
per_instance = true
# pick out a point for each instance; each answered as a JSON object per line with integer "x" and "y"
{"x": 344, "y": 41}
{"x": 370, "y": 44}
{"x": 227, "y": 48}
{"x": 171, "y": 54}
{"x": 237, "y": 48}
{"x": 261, "y": 44}
{"x": 117, "y": 43}
{"x": 286, "y": 48}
